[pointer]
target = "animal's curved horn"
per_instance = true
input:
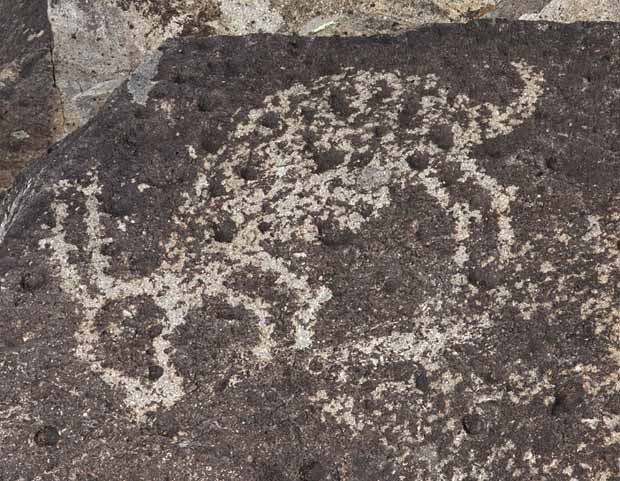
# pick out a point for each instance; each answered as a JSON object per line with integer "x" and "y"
{"x": 503, "y": 119}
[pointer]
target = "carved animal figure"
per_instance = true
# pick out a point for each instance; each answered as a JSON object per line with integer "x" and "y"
{"x": 326, "y": 159}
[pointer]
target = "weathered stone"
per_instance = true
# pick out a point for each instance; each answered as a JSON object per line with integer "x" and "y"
{"x": 383, "y": 318}
{"x": 578, "y": 11}
{"x": 47, "y": 436}
{"x": 515, "y": 9}
{"x": 473, "y": 424}
{"x": 98, "y": 44}
{"x": 29, "y": 105}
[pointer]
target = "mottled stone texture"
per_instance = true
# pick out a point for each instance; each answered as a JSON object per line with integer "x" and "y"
{"x": 98, "y": 44}
{"x": 27, "y": 96}
{"x": 578, "y": 11}
{"x": 325, "y": 259}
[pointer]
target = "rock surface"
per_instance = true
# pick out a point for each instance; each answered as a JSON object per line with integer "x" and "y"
{"x": 28, "y": 101}
{"x": 515, "y": 10}
{"x": 96, "y": 46}
{"x": 291, "y": 258}
{"x": 578, "y": 11}
{"x": 99, "y": 44}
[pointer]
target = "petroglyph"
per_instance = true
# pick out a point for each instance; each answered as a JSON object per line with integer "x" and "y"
{"x": 317, "y": 181}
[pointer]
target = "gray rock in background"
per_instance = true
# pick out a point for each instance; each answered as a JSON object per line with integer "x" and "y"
{"x": 515, "y": 9}
{"x": 96, "y": 46}
{"x": 578, "y": 10}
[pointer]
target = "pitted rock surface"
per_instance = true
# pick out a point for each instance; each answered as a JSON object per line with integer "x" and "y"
{"x": 98, "y": 44}
{"x": 61, "y": 60}
{"x": 29, "y": 104}
{"x": 346, "y": 259}
{"x": 577, "y": 11}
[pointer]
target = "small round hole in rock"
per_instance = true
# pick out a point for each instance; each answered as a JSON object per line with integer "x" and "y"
{"x": 47, "y": 436}
{"x": 155, "y": 372}
{"x": 248, "y": 172}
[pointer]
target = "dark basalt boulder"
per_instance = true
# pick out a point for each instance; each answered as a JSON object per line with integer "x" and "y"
{"x": 29, "y": 106}
{"x": 337, "y": 259}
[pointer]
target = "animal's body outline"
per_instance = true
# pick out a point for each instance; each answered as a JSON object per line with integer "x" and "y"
{"x": 245, "y": 251}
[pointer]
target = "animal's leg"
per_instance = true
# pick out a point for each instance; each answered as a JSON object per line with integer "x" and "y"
{"x": 168, "y": 388}
{"x": 310, "y": 299}
{"x": 501, "y": 121}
